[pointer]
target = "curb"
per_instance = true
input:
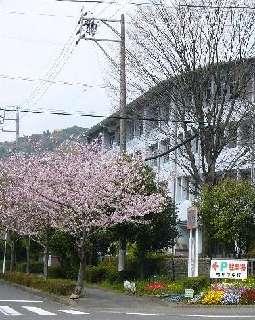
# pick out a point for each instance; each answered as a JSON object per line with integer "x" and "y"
{"x": 51, "y": 296}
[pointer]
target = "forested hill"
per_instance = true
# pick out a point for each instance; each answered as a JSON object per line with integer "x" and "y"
{"x": 43, "y": 142}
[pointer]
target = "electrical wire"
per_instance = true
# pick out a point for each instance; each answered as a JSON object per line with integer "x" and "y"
{"x": 158, "y": 4}
{"x": 137, "y": 4}
{"x": 57, "y": 66}
{"x": 65, "y": 83}
{"x": 24, "y": 13}
{"x": 90, "y": 115}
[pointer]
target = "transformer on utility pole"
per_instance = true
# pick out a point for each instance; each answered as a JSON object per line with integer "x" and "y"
{"x": 87, "y": 31}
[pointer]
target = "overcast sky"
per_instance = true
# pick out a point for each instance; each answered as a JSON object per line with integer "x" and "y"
{"x": 37, "y": 46}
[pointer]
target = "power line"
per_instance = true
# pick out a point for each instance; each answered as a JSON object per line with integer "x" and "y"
{"x": 91, "y": 115}
{"x": 57, "y": 66}
{"x": 24, "y": 13}
{"x": 65, "y": 83}
{"x": 216, "y": 7}
{"x": 179, "y": 145}
{"x": 138, "y": 4}
{"x": 158, "y": 4}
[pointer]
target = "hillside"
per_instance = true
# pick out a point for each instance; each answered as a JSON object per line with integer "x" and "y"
{"x": 43, "y": 142}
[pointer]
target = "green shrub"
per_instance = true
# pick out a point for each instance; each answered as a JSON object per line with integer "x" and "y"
{"x": 71, "y": 271}
{"x": 56, "y": 272}
{"x": 95, "y": 274}
{"x": 197, "y": 283}
{"x": 175, "y": 287}
{"x": 56, "y": 286}
{"x": 35, "y": 267}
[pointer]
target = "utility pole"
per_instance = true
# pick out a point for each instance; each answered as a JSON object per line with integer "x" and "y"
{"x": 17, "y": 125}
{"x": 87, "y": 31}
{"x": 89, "y": 26}
{"x": 15, "y": 119}
{"x": 16, "y": 131}
{"x": 123, "y": 86}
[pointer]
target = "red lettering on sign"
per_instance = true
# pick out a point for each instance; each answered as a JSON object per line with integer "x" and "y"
{"x": 231, "y": 266}
{"x": 215, "y": 266}
{"x": 243, "y": 267}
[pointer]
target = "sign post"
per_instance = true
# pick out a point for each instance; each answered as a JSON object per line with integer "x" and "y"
{"x": 192, "y": 225}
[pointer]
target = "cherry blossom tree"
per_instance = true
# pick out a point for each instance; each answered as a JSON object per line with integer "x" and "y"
{"x": 77, "y": 189}
{"x": 22, "y": 213}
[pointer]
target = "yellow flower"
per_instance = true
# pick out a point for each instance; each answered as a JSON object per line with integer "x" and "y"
{"x": 213, "y": 297}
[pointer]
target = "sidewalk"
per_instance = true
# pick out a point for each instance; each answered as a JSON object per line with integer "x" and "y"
{"x": 115, "y": 302}
{"x": 105, "y": 299}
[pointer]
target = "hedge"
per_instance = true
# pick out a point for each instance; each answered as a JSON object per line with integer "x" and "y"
{"x": 196, "y": 283}
{"x": 34, "y": 267}
{"x": 56, "y": 286}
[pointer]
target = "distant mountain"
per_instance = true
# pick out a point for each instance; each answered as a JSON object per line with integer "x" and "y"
{"x": 42, "y": 142}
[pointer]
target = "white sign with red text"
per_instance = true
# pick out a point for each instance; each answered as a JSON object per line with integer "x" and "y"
{"x": 228, "y": 269}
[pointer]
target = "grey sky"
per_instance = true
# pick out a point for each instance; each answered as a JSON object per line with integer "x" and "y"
{"x": 31, "y": 42}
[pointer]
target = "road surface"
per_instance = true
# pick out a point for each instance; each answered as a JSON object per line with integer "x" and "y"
{"x": 18, "y": 304}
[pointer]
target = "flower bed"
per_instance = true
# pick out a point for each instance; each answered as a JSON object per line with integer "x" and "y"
{"x": 230, "y": 293}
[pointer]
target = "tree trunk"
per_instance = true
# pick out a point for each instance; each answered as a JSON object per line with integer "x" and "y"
{"x": 45, "y": 261}
{"x": 80, "y": 279}
{"x": 28, "y": 255}
{"x": 141, "y": 259}
{"x": 122, "y": 254}
{"x": 173, "y": 269}
{"x": 12, "y": 263}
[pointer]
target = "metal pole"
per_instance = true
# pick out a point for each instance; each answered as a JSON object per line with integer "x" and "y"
{"x": 252, "y": 153}
{"x": 123, "y": 144}
{"x": 123, "y": 89}
{"x": 190, "y": 253}
{"x": 196, "y": 252}
{"x": 17, "y": 125}
{"x": 5, "y": 249}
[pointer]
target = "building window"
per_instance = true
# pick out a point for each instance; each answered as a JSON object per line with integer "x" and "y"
{"x": 245, "y": 132}
{"x": 165, "y": 146}
{"x": 153, "y": 150}
{"x": 154, "y": 114}
{"x": 186, "y": 188}
{"x": 245, "y": 174}
{"x": 194, "y": 145}
{"x": 164, "y": 114}
{"x": 138, "y": 128}
{"x": 231, "y": 135}
{"x": 111, "y": 139}
{"x": 208, "y": 92}
{"x": 130, "y": 129}
{"x": 179, "y": 189}
{"x": 180, "y": 139}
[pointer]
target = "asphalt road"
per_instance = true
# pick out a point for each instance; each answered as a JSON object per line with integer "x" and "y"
{"x": 15, "y": 303}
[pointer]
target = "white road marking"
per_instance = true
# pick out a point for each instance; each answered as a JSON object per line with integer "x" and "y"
{"x": 142, "y": 314}
{"x": 218, "y": 316}
{"x": 22, "y": 301}
{"x": 112, "y": 311}
{"x": 39, "y": 311}
{"x": 8, "y": 311}
{"x": 73, "y": 312}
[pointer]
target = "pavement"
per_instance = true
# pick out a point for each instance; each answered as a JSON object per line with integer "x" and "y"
{"x": 105, "y": 305}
